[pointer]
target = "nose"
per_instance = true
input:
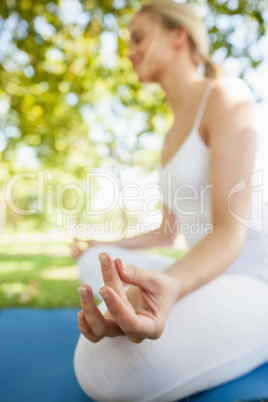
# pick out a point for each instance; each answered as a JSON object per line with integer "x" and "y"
{"x": 131, "y": 53}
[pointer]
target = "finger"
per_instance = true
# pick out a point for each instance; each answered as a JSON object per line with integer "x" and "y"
{"x": 93, "y": 315}
{"x": 138, "y": 325}
{"x": 85, "y": 329}
{"x": 136, "y": 276}
{"x": 75, "y": 249}
{"x": 73, "y": 254}
{"x": 110, "y": 275}
{"x": 96, "y": 321}
{"x": 135, "y": 339}
{"x": 113, "y": 328}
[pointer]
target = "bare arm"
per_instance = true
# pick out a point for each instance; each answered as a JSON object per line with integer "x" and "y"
{"x": 232, "y": 144}
{"x": 162, "y": 236}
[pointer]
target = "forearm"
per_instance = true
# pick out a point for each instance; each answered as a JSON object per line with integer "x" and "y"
{"x": 155, "y": 238}
{"x": 208, "y": 259}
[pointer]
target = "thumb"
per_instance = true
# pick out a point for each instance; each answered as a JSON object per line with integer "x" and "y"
{"x": 135, "y": 276}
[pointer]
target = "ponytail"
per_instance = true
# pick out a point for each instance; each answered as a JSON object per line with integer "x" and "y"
{"x": 212, "y": 69}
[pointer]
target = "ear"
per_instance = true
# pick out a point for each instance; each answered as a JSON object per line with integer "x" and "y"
{"x": 181, "y": 36}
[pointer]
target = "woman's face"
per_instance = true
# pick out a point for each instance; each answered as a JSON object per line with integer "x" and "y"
{"x": 150, "y": 48}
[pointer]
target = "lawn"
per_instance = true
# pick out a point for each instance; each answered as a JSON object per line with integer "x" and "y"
{"x": 36, "y": 271}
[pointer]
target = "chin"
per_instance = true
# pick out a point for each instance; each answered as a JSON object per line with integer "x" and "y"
{"x": 146, "y": 76}
{"x": 142, "y": 75}
{"x": 143, "y": 78}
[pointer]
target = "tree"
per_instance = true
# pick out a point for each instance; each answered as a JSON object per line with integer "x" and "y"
{"x": 76, "y": 110}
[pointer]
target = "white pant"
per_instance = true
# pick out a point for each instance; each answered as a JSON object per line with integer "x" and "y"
{"x": 215, "y": 334}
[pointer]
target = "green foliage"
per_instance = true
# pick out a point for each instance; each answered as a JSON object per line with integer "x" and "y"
{"x": 64, "y": 100}
{"x": 53, "y": 60}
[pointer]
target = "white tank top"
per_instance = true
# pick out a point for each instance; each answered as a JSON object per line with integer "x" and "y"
{"x": 185, "y": 184}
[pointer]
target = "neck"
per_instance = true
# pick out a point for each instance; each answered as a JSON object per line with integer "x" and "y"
{"x": 179, "y": 83}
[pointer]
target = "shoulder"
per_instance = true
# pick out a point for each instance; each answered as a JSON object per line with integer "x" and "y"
{"x": 231, "y": 102}
{"x": 230, "y": 91}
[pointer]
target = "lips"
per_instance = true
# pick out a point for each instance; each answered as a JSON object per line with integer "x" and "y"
{"x": 136, "y": 63}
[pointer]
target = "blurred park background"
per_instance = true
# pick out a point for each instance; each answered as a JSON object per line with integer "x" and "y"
{"x": 75, "y": 124}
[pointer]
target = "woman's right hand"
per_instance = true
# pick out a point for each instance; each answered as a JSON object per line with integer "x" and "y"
{"x": 79, "y": 246}
{"x": 139, "y": 313}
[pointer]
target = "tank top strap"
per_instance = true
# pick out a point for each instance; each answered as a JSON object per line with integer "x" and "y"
{"x": 203, "y": 104}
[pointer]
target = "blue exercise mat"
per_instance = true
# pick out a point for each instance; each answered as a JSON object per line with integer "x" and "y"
{"x": 36, "y": 356}
{"x": 36, "y": 362}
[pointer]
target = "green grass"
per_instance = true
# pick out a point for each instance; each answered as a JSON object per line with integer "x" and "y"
{"x": 38, "y": 273}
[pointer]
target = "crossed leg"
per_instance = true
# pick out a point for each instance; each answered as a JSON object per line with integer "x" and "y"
{"x": 214, "y": 335}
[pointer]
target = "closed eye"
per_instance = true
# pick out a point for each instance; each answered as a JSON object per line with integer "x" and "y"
{"x": 138, "y": 39}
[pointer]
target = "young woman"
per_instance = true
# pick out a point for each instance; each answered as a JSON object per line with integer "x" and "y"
{"x": 188, "y": 325}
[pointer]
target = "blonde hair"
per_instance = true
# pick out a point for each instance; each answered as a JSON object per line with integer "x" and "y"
{"x": 174, "y": 15}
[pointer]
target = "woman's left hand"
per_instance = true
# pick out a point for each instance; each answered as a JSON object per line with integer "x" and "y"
{"x": 140, "y": 312}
